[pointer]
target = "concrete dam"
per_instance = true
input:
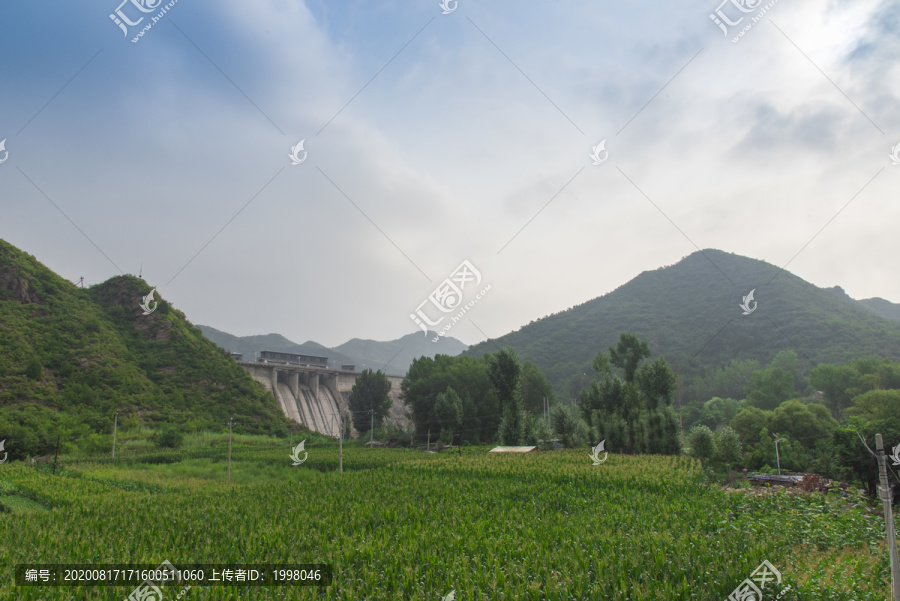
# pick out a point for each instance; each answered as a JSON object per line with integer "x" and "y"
{"x": 316, "y": 397}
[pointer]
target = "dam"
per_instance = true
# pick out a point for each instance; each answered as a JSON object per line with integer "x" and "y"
{"x": 316, "y": 396}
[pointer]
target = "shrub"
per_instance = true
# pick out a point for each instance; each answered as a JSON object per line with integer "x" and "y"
{"x": 33, "y": 369}
{"x": 169, "y": 438}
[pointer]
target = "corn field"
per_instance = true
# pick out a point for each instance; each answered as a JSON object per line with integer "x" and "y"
{"x": 400, "y": 524}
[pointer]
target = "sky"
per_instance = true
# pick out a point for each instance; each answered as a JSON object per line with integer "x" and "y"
{"x": 432, "y": 141}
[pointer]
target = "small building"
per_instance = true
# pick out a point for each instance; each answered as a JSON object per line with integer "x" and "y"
{"x": 282, "y": 358}
{"x": 348, "y": 367}
{"x": 236, "y": 356}
{"x": 512, "y": 449}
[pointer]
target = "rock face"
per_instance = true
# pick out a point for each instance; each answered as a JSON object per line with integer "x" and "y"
{"x": 18, "y": 286}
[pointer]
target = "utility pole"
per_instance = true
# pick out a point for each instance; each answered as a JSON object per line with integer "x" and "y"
{"x": 885, "y": 491}
{"x": 115, "y": 423}
{"x": 371, "y": 424}
{"x": 229, "y": 448}
{"x": 341, "y": 446}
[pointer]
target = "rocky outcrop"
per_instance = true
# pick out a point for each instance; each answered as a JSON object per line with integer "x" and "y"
{"x": 11, "y": 281}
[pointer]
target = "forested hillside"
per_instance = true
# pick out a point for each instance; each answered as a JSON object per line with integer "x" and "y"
{"x": 71, "y": 357}
{"x": 690, "y": 315}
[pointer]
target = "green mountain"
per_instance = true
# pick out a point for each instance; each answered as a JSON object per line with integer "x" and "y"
{"x": 878, "y": 306}
{"x": 690, "y": 314}
{"x": 71, "y": 357}
{"x": 882, "y": 307}
{"x": 393, "y": 356}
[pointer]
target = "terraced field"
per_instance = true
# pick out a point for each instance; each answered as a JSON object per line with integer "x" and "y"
{"x": 399, "y": 524}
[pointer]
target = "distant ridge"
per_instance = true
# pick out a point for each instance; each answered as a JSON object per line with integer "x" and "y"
{"x": 690, "y": 314}
{"x": 881, "y": 307}
{"x": 392, "y": 356}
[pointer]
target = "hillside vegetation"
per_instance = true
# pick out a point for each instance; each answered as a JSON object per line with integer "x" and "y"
{"x": 689, "y": 314}
{"x": 72, "y": 357}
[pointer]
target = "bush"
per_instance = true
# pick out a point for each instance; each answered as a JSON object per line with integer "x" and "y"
{"x": 94, "y": 443}
{"x": 33, "y": 369}
{"x": 701, "y": 442}
{"x": 169, "y": 438}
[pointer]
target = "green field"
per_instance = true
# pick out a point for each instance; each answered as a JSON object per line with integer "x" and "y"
{"x": 403, "y": 524}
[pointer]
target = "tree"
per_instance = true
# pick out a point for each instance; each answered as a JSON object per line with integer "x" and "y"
{"x": 504, "y": 370}
{"x": 468, "y": 376}
{"x": 854, "y": 456}
{"x": 657, "y": 383}
{"x": 876, "y": 405}
{"x": 33, "y": 369}
{"x": 570, "y": 428}
{"x": 717, "y": 412}
{"x": 448, "y": 411}
{"x": 788, "y": 362}
{"x": 835, "y": 381}
{"x": 628, "y": 354}
{"x": 700, "y": 439}
{"x": 727, "y": 447}
{"x": 806, "y": 423}
{"x": 634, "y": 410}
{"x": 536, "y": 428}
{"x": 749, "y": 422}
{"x": 726, "y": 382}
{"x": 369, "y": 401}
{"x": 535, "y": 388}
{"x": 770, "y": 387}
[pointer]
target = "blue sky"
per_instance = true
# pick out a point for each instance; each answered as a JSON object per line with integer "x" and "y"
{"x": 472, "y": 123}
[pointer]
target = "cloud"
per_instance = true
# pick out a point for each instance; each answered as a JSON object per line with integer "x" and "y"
{"x": 448, "y": 133}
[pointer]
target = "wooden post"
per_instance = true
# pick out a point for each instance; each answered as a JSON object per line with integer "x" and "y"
{"x": 57, "y": 455}
{"x": 229, "y": 448}
{"x": 680, "y": 418}
{"x": 885, "y": 490}
{"x": 115, "y": 423}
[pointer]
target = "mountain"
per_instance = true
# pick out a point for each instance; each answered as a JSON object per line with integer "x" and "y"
{"x": 881, "y": 307}
{"x": 393, "y": 357}
{"x": 72, "y": 357}
{"x": 878, "y": 306}
{"x": 399, "y": 354}
{"x": 690, "y": 314}
{"x": 250, "y": 346}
